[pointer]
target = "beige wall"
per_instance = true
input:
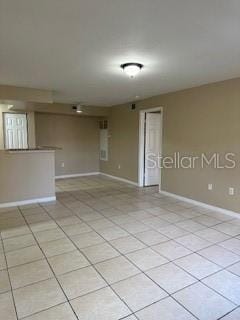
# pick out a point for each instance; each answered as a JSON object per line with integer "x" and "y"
{"x": 203, "y": 119}
{"x": 123, "y": 144}
{"x": 31, "y": 127}
{"x": 12, "y": 93}
{"x": 26, "y": 175}
{"x": 77, "y": 136}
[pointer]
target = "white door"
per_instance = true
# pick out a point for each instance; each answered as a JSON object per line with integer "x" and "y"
{"x": 15, "y": 129}
{"x": 152, "y": 148}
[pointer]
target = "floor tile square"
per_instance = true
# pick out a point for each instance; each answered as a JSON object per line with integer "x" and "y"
{"x": 7, "y": 306}
{"x": 77, "y": 228}
{"x": 151, "y": 237}
{"x": 219, "y": 215}
{"x": 68, "y": 221}
{"x": 225, "y": 283}
{"x": 38, "y": 297}
{"x": 29, "y": 273}
{"x": 156, "y": 223}
{"x": 198, "y": 266}
{"x": 3, "y": 264}
{"x": 11, "y": 244}
{"x": 166, "y": 309}
{"x": 113, "y": 233}
{"x": 14, "y": 232}
{"x": 57, "y": 247}
{"x": 22, "y": 256}
{"x": 170, "y": 277}
{"x": 35, "y": 219}
{"x": 30, "y": 211}
{"x": 203, "y": 302}
{"x": 172, "y": 217}
{"x": 140, "y": 215}
{"x": 189, "y": 213}
{"x": 90, "y": 216}
{"x": 171, "y": 250}
{"x": 138, "y": 292}
{"x": 190, "y": 225}
{"x": 212, "y": 235}
{"x": 87, "y": 239}
{"x": 193, "y": 242}
{"x": 103, "y": 304}
{"x": 135, "y": 227}
{"x": 228, "y": 228}
{"x": 173, "y": 231}
{"x": 127, "y": 244}
{"x": 116, "y": 269}
{"x": 60, "y": 312}
{"x": 100, "y": 252}
{"x": 67, "y": 262}
{"x": 207, "y": 220}
{"x": 100, "y": 224}
{"x": 232, "y": 245}
{"x": 4, "y": 281}
{"x": 146, "y": 259}
{"x": 122, "y": 219}
{"x": 49, "y": 235}
{"x": 41, "y": 226}
{"x": 80, "y": 282}
{"x": 110, "y": 212}
{"x": 219, "y": 256}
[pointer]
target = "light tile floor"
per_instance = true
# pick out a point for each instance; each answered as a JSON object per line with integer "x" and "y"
{"x": 106, "y": 250}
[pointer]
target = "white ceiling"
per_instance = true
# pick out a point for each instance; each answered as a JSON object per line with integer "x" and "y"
{"x": 75, "y": 47}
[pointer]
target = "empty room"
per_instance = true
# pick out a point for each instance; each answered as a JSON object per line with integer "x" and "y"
{"x": 119, "y": 160}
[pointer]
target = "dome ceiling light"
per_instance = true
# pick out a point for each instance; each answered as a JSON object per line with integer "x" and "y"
{"x": 132, "y": 68}
{"x": 77, "y": 108}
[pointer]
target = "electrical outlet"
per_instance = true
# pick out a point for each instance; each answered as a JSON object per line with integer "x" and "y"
{"x": 62, "y": 164}
{"x": 231, "y": 191}
{"x": 210, "y": 186}
{"x": 119, "y": 167}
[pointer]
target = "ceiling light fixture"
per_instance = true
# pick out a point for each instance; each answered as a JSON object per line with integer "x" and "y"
{"x": 131, "y": 68}
{"x": 79, "y": 109}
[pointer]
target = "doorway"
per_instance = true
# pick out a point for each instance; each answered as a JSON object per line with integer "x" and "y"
{"x": 150, "y": 147}
{"x": 15, "y": 131}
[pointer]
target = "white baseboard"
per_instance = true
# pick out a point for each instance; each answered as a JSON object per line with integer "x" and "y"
{"x": 201, "y": 204}
{"x": 25, "y": 202}
{"x": 93, "y": 174}
{"x": 77, "y": 175}
{"x": 119, "y": 179}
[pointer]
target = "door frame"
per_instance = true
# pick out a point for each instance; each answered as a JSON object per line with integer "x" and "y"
{"x": 141, "y": 146}
{"x": 3, "y": 123}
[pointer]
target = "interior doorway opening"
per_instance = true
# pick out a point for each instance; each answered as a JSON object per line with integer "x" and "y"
{"x": 150, "y": 147}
